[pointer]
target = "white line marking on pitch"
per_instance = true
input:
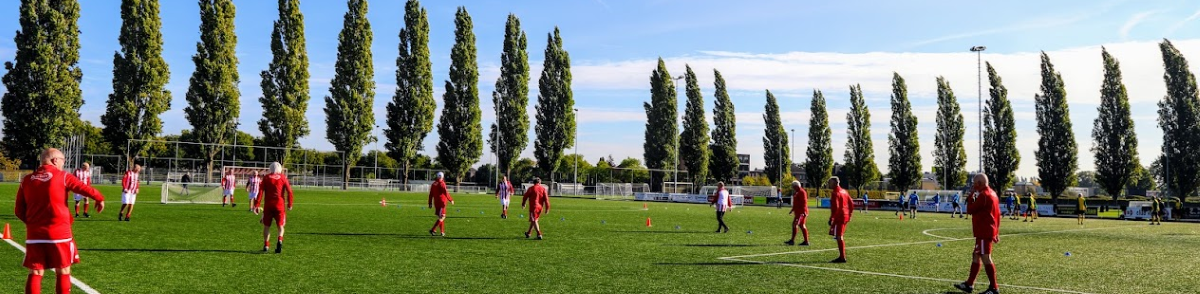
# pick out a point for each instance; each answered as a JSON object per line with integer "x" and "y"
{"x": 740, "y": 258}
{"x": 77, "y": 282}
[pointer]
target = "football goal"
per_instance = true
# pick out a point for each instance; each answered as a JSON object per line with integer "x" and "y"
{"x": 191, "y": 188}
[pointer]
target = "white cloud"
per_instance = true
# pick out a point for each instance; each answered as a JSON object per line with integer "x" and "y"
{"x": 1175, "y": 27}
{"x": 1132, "y": 22}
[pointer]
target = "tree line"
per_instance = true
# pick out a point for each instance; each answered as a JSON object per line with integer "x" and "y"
{"x": 41, "y": 106}
{"x": 1114, "y": 137}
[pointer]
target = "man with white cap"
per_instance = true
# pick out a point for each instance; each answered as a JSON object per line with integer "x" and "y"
{"x": 438, "y": 197}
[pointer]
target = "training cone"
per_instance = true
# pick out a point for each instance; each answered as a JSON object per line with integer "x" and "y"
{"x": 901, "y": 216}
{"x": 648, "y": 222}
{"x": 383, "y": 202}
{"x": 7, "y": 233}
{"x": 645, "y": 206}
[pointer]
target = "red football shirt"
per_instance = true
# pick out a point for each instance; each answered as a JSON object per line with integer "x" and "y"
{"x": 985, "y": 214}
{"x": 438, "y": 194}
{"x": 537, "y": 198}
{"x": 273, "y": 189}
{"x": 42, "y": 203}
{"x": 800, "y": 202}
{"x": 841, "y": 207}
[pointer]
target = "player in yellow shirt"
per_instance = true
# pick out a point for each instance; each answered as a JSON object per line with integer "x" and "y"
{"x": 1017, "y": 211}
{"x": 1032, "y": 210}
{"x": 1081, "y": 209}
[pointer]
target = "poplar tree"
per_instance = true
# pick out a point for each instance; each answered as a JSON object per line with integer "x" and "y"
{"x": 860, "y": 152}
{"x": 555, "y": 127}
{"x": 1057, "y": 153}
{"x": 510, "y": 132}
{"x": 285, "y": 82}
{"x": 410, "y": 114}
{"x": 776, "y": 162}
{"x": 723, "y": 160}
{"x": 819, "y": 164}
{"x": 661, "y": 125}
{"x": 904, "y": 164}
{"x": 213, "y": 95}
{"x": 1114, "y": 139}
{"x": 950, "y": 158}
{"x": 349, "y": 117}
{"x": 1179, "y": 118}
{"x": 1000, "y": 155}
{"x": 693, "y": 142}
{"x": 459, "y": 131}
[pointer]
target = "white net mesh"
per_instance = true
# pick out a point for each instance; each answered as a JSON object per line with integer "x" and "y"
{"x": 194, "y": 189}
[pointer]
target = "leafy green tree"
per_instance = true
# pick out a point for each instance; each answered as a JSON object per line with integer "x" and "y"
{"x": 1057, "y": 153}
{"x": 555, "y": 127}
{"x": 776, "y": 161}
{"x": 1179, "y": 118}
{"x": 1114, "y": 140}
{"x": 459, "y": 131}
{"x": 819, "y": 165}
{"x": 348, "y": 108}
{"x": 139, "y": 81}
{"x": 723, "y": 161}
{"x": 632, "y": 171}
{"x": 573, "y": 168}
{"x": 510, "y": 132}
{"x": 213, "y": 95}
{"x": 860, "y": 152}
{"x": 950, "y": 159}
{"x": 522, "y": 170}
{"x": 41, "y": 103}
{"x": 410, "y": 114}
{"x": 1000, "y": 155}
{"x": 285, "y": 83}
{"x": 661, "y": 126}
{"x": 904, "y": 166}
{"x": 693, "y": 142}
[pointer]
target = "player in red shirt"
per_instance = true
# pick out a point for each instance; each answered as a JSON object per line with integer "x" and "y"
{"x": 84, "y": 174}
{"x": 841, "y": 208}
{"x": 985, "y": 224}
{"x": 438, "y": 197}
{"x": 800, "y": 213}
{"x": 276, "y": 191}
{"x": 129, "y": 191}
{"x": 41, "y": 205}
{"x": 539, "y": 203}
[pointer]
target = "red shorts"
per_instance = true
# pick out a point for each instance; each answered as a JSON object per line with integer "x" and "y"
{"x": 837, "y": 229}
{"x": 279, "y": 216}
{"x": 799, "y": 220}
{"x": 40, "y": 256}
{"x": 535, "y": 213}
{"x": 439, "y": 211}
{"x": 984, "y": 246}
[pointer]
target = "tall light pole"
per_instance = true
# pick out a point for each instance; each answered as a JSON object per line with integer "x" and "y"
{"x": 676, "y": 189}
{"x": 377, "y": 155}
{"x": 235, "y": 144}
{"x": 793, "y": 154}
{"x": 979, "y": 70}
{"x": 576, "y": 178}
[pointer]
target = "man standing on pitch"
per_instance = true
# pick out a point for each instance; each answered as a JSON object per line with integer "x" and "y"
{"x": 956, "y": 202}
{"x": 1032, "y": 210}
{"x": 504, "y": 191}
{"x": 185, "y": 180}
{"x": 276, "y": 191}
{"x": 913, "y": 202}
{"x": 252, "y": 188}
{"x": 41, "y": 205}
{"x": 228, "y": 184}
{"x": 985, "y": 225}
{"x": 84, "y": 174}
{"x": 1081, "y": 209}
{"x": 129, "y": 191}
{"x": 866, "y": 200}
{"x": 799, "y": 212}
{"x": 723, "y": 203}
{"x": 841, "y": 208}
{"x": 438, "y": 197}
{"x": 539, "y": 203}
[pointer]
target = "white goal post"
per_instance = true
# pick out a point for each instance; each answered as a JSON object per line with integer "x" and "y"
{"x": 196, "y": 191}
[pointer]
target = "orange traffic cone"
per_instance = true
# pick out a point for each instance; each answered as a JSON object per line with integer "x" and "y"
{"x": 383, "y": 202}
{"x": 8, "y": 234}
{"x": 901, "y": 216}
{"x": 647, "y": 222}
{"x": 645, "y": 206}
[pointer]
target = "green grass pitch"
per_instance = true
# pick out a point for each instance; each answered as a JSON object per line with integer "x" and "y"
{"x": 345, "y": 242}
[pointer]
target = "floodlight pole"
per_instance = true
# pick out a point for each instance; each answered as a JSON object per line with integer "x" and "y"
{"x": 979, "y": 71}
{"x": 676, "y": 184}
{"x": 575, "y": 179}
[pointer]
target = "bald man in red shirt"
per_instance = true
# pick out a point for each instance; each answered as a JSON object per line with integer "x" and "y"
{"x": 841, "y": 208}
{"x": 539, "y": 202}
{"x": 984, "y": 207}
{"x": 800, "y": 212}
{"x": 42, "y": 205}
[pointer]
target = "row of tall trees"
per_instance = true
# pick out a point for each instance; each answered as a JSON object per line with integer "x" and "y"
{"x": 43, "y": 98}
{"x": 1113, "y": 134}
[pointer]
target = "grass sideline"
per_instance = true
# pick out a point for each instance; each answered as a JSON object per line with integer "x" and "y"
{"x": 345, "y": 242}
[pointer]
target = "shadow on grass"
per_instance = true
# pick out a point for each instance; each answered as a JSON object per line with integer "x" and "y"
{"x": 403, "y": 236}
{"x": 136, "y": 250}
{"x": 725, "y": 245}
{"x": 704, "y": 263}
{"x": 353, "y": 234}
{"x": 664, "y": 232}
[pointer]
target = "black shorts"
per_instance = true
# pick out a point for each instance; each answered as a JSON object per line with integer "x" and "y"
{"x": 955, "y": 204}
{"x": 1080, "y": 211}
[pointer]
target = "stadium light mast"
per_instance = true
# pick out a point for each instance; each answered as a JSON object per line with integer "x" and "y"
{"x": 979, "y": 86}
{"x": 676, "y": 184}
{"x": 793, "y": 154}
{"x": 576, "y": 177}
{"x": 376, "y": 154}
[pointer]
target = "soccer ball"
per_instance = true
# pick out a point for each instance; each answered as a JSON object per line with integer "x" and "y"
{"x": 258, "y": 210}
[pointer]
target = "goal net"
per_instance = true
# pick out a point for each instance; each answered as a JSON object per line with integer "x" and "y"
{"x": 196, "y": 190}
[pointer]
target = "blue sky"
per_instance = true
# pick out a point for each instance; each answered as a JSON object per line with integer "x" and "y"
{"x": 790, "y": 47}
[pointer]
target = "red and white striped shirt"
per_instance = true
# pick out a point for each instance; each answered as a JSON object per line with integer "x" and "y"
{"x": 130, "y": 183}
{"x": 252, "y": 185}
{"x": 229, "y": 182}
{"x": 84, "y": 176}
